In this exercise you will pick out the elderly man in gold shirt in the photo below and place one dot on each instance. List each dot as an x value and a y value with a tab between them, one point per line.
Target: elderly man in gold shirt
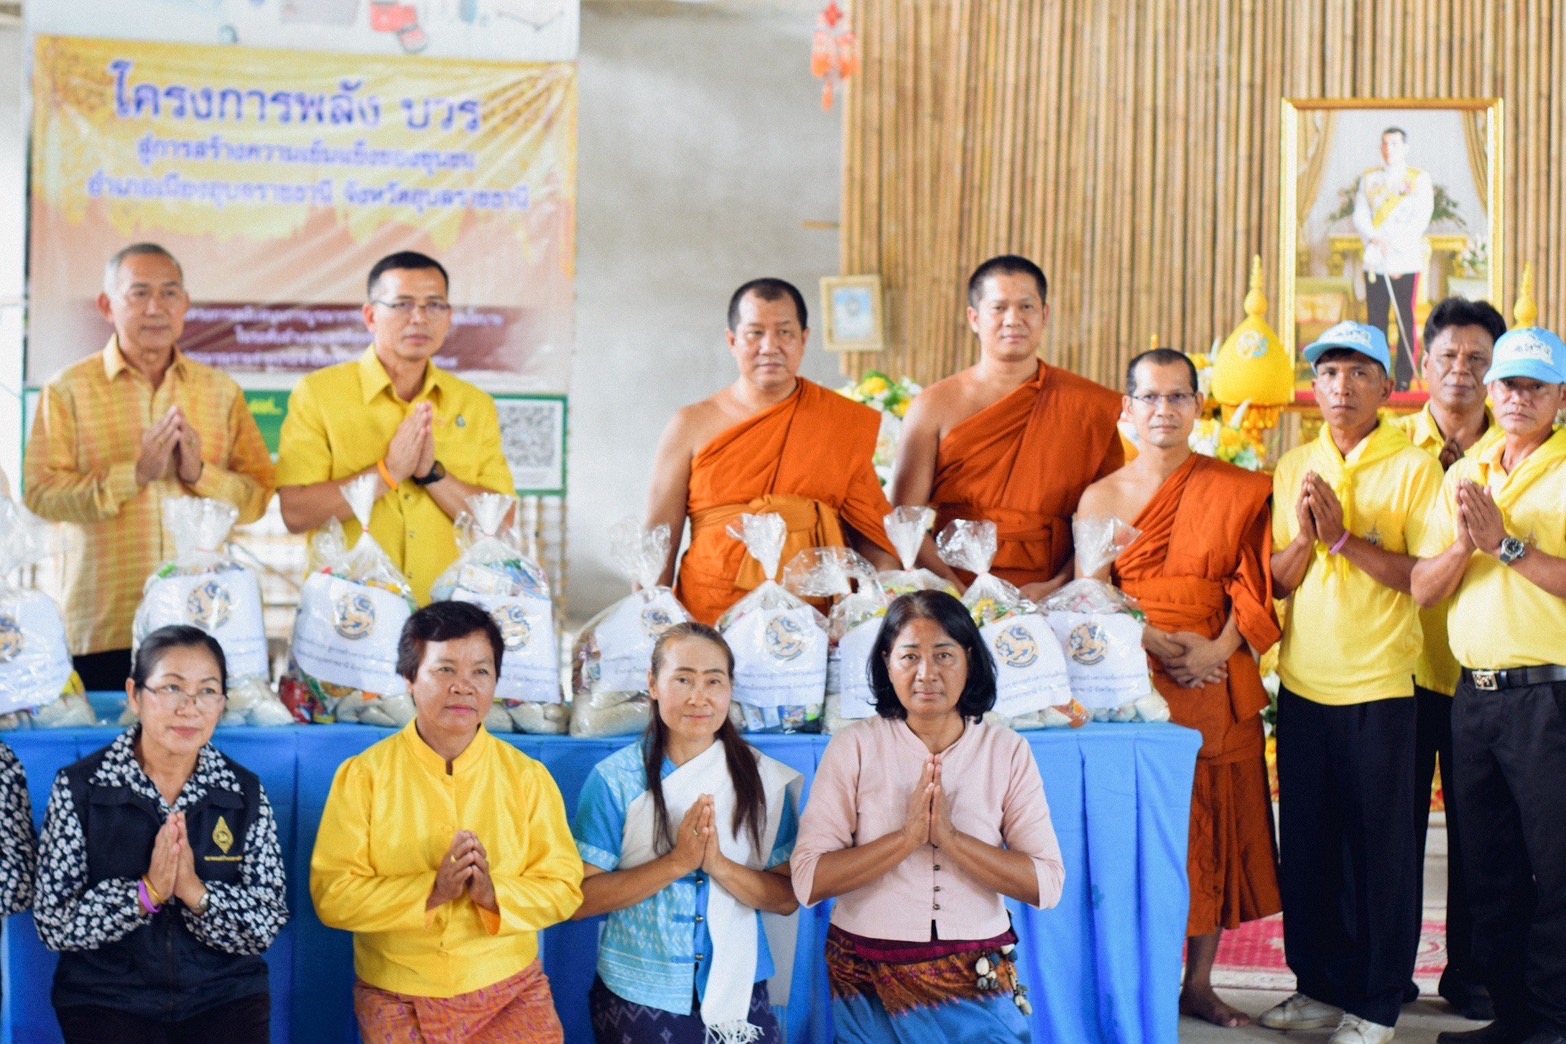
119	432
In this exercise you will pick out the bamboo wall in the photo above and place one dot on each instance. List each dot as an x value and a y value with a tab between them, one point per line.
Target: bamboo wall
1132	148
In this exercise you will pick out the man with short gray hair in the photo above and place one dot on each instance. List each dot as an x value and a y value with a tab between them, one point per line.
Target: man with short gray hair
121	431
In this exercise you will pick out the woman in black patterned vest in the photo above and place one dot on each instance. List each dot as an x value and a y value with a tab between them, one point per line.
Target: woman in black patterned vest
161	875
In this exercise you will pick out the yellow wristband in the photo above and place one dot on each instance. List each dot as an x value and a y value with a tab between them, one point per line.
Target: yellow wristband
386	475
157	900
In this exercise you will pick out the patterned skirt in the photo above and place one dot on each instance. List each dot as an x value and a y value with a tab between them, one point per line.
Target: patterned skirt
924	993
519	1009
619	1021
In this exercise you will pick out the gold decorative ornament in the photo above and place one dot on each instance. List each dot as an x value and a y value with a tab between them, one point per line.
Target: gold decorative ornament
1525	313
1253	370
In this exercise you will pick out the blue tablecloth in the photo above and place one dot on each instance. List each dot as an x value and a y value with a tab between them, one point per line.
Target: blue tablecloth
1103	966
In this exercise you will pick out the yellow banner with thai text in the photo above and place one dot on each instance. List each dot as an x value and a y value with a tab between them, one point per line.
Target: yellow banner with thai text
278	178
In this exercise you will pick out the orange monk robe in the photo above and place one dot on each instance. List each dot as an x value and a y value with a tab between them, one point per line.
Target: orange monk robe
1023	464
1205	550
810	458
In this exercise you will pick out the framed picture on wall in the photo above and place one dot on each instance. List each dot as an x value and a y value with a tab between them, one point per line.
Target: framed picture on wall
855	316
1389	205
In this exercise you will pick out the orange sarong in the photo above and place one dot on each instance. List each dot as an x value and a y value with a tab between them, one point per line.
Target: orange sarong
1023	464
1204	551
811	459
519	1009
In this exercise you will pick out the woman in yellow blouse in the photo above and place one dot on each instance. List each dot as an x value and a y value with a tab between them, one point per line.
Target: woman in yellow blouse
445	850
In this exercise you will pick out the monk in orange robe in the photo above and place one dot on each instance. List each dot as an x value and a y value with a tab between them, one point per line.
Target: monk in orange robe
770	442
1199	570
1010	439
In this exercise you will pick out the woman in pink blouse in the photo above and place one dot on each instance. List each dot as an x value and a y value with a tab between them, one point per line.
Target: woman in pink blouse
921	947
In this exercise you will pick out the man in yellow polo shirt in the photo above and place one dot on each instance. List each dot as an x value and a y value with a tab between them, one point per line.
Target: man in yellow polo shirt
432	439
1347	508
1496	546
1459	342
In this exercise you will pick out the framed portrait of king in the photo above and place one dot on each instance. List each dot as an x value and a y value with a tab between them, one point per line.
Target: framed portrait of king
1389	206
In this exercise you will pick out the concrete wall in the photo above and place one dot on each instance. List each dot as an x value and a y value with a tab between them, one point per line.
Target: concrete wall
703	149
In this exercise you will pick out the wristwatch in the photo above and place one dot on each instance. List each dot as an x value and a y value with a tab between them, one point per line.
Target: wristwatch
436	473
204	904
1511	550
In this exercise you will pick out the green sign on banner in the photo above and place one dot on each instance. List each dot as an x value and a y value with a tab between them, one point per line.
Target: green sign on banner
268	408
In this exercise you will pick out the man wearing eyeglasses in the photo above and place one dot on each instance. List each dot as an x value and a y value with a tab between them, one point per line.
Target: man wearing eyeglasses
1349	508
1200	572
1496	546
118	433
1010	440
431	438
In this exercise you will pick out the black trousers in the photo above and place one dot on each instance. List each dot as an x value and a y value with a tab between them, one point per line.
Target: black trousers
103	671
1349	867
1432	743
1380	296
1510	747
244	1021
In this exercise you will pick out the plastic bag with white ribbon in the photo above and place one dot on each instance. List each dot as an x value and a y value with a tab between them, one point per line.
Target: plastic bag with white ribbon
905	528
852	625
779	641
1032	688
343	664
612	655
203	586
1100	629
38	686
494	571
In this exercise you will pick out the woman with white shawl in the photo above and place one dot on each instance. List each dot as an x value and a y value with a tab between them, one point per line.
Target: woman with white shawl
685	839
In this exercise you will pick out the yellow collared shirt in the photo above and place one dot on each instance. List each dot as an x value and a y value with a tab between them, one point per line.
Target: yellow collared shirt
1348	639
1438	669
1498	619
81	470
340	421
389	821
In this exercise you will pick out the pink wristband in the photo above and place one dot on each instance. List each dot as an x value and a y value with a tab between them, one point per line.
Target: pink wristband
146	899
1335	548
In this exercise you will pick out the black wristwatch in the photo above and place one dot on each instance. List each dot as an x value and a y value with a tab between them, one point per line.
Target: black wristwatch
436	473
1511	550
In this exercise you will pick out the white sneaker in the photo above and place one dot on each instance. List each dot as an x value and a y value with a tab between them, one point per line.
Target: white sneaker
1355	1030
1301	1012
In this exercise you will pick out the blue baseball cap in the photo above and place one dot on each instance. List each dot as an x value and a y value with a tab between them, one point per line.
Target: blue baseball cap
1533	352
1356	337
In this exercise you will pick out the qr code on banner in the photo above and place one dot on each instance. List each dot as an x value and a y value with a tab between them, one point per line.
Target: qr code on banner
532	433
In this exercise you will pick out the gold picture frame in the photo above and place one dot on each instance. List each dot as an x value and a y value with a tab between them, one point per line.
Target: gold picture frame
1338	154
853	312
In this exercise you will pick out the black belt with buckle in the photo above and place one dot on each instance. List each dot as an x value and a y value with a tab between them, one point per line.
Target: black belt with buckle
1516	678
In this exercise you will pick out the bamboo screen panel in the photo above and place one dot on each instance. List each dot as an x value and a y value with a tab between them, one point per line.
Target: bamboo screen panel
1132	149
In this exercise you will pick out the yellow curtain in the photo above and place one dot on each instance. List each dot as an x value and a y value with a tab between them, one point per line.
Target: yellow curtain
1476	129
1315	144
1132	149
